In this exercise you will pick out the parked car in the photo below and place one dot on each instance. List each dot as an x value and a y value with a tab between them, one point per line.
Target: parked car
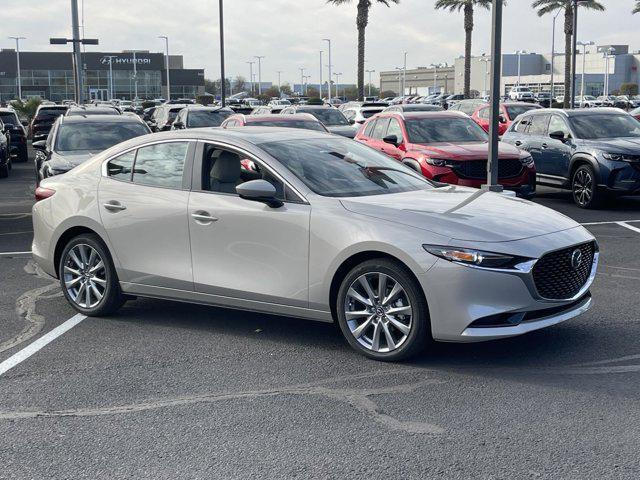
452	100
544	99
43	120
195	116
593	152
299	120
635	113
587	101
332	231
606	100
5	155
73	140
416	107
163	116
97	110
521	94
447	147
623	102
331	118
359	114
508	113
467	106
17	134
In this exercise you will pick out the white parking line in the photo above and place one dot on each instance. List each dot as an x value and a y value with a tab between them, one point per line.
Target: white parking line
15	253
630	227
609	223
44	340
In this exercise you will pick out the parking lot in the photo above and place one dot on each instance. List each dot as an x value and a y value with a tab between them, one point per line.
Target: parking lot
166	388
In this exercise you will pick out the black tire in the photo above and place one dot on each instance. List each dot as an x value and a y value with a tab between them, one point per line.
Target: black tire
112	297
584	188
420	330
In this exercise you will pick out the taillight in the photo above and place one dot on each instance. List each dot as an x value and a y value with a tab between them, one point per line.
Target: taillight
43	192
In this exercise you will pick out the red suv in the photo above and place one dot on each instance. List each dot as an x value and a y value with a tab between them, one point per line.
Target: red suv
508	113
447	147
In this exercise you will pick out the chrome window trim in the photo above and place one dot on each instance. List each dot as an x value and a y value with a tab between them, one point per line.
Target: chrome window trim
253	157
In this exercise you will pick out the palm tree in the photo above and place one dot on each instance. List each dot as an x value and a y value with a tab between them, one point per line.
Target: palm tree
362	19
467	6
636	9
549	6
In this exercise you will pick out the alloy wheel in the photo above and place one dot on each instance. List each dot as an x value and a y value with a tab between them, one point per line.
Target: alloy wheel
378	312
84	275
583	187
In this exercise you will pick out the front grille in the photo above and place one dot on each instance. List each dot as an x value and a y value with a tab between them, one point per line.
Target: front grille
477	169
556	275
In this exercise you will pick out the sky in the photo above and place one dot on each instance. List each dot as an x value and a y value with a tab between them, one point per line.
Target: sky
289	33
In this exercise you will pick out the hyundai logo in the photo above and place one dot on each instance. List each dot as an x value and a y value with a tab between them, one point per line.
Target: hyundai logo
576	259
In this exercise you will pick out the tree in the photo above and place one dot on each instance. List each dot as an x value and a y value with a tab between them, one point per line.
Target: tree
636	9
467	6
27	109
629	89
240	84
387	93
271	92
362	19
549	6
285	88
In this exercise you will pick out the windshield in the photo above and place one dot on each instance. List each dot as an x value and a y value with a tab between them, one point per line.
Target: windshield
591	127
370	113
328	116
335	167
444	130
96	136
304	124
9	117
514	110
207	118
51	112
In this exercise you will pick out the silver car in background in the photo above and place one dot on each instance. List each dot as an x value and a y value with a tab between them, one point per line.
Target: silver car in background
309	225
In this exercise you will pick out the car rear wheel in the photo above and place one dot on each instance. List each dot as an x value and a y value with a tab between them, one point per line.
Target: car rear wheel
382	312
88	277
584	188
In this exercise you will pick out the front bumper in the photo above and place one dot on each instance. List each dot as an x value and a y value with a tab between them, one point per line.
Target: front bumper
468	304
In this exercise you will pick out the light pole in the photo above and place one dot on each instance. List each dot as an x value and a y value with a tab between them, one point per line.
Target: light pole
259	57
279	89
608	54
584	46
222	75
251	76
17	39
553	53
111	57
337	75
370	72
486	61
446	83
519	53
320	84
404	74
328	40
435	76
399	69
166	43
575	5
302	69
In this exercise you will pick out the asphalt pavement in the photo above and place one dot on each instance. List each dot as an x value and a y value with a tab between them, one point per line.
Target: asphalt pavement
165	390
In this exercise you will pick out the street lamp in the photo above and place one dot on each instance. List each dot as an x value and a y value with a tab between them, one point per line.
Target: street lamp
370	72
251	76
259	57
435	76
328	40
166	42
279	89
17	39
110	57
575	4
608	54
302	69
584	46
553	52
399	81
519	53
337	75
404	74
486	61
222	75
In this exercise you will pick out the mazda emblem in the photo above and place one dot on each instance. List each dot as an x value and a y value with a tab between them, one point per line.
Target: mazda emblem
576	259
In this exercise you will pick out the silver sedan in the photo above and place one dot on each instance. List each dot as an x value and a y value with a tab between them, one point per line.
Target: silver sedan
308	225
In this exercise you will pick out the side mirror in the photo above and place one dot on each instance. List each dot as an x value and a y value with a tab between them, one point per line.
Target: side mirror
8	127
501	119
39	145
352	121
558	135
259	191
178	125
392	139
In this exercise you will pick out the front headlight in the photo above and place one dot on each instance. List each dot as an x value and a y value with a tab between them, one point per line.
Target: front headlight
527	161
480	258
436	162
621	157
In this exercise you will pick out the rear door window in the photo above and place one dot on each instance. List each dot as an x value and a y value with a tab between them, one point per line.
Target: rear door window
369	128
380	128
161	165
538	124
121	167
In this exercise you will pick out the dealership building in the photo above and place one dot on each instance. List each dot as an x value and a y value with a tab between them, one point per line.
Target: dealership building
49	75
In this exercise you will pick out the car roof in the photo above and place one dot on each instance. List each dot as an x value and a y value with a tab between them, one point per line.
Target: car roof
101	119
207	108
282	118
424	114
577	112
255	135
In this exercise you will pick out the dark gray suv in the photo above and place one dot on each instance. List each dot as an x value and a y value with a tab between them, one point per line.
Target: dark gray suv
593	152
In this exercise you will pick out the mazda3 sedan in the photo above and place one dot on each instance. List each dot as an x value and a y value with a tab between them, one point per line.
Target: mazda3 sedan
321	228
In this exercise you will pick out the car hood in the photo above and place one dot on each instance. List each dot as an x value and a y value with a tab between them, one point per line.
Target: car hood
463	213
629	145
348	131
66	161
462	151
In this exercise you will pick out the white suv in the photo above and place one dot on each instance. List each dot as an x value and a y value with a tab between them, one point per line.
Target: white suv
521	94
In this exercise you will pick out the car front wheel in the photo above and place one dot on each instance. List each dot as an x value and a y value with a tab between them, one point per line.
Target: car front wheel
584	188
382	311
88	277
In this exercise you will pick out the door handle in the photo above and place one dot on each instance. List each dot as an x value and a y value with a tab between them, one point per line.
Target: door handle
544	145
114	206
518	143
203	217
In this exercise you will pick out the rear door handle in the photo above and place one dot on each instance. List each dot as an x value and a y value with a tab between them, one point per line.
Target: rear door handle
518	143
114	206
203	217
544	145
